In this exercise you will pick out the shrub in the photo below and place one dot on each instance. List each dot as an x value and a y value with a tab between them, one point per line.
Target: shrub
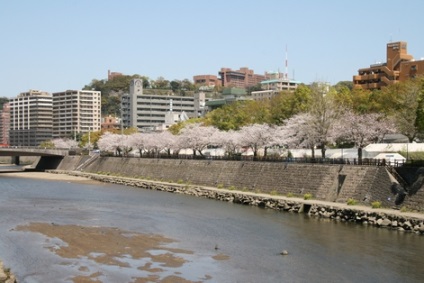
307	196
232	188
351	201
290	195
404	209
220	186
274	193
376	204
180	181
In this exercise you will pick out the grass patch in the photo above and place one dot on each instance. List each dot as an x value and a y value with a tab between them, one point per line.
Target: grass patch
180	181
376	204
307	196
274	193
220	186
290	195
232	188
404	209
351	201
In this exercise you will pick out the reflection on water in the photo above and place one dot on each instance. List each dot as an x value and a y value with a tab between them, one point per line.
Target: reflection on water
252	238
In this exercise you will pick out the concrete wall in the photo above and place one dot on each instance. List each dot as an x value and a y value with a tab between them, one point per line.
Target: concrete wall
336	183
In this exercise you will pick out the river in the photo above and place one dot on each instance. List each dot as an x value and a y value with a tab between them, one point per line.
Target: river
251	238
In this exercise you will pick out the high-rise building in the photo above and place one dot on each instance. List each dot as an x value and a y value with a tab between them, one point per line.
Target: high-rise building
30	118
5	124
242	78
76	112
399	66
143	111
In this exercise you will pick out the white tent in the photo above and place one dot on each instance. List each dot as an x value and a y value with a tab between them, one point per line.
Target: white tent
391	157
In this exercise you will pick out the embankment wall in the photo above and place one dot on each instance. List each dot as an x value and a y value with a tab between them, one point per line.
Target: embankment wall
335	183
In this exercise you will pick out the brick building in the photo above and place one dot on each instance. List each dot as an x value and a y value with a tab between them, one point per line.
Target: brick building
242	78
206	80
399	66
5	124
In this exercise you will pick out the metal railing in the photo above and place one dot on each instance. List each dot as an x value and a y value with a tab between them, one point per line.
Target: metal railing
309	160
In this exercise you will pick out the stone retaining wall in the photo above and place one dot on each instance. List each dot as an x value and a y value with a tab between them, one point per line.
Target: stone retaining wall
336	211
335	183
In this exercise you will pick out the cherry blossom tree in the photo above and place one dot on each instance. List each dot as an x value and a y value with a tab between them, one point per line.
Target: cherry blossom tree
363	129
197	137
231	141
258	136
165	141
299	132
109	142
64	143
138	141
323	114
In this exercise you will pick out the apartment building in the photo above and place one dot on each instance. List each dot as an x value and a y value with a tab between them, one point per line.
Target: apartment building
151	111
5	124
399	66
30	118
76	112
242	78
273	87
111	123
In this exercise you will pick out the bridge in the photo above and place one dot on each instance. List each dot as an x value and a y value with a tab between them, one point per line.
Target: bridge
49	158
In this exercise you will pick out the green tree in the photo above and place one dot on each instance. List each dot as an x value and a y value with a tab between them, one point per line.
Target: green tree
235	115
161	83
175	86
408	108
47	144
256	87
287	104
3	100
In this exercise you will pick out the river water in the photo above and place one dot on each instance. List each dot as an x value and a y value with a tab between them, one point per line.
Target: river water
252	238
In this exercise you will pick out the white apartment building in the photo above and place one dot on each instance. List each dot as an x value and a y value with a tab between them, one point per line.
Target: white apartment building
154	111
76	112
30	118
273	87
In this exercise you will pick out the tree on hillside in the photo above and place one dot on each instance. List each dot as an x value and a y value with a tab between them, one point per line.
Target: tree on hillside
3	100
235	115
161	83
286	104
344	84
257	87
175	86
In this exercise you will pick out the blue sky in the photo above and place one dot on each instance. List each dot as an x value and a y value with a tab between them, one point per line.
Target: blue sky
57	45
